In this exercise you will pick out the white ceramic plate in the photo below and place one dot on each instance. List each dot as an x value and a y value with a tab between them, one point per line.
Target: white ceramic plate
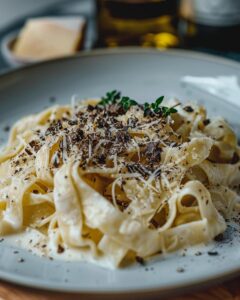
142	74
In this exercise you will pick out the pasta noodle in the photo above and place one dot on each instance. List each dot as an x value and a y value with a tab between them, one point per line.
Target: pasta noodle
115	184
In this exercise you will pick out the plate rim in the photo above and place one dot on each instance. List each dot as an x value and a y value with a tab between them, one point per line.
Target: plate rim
27	281
125	51
170	290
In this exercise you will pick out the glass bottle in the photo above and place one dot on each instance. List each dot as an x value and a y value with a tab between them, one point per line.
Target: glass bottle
213	24
148	23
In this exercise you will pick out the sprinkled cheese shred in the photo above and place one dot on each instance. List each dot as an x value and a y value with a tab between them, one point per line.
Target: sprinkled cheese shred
117	141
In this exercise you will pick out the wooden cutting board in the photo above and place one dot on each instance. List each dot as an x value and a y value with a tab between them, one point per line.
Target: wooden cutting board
226	291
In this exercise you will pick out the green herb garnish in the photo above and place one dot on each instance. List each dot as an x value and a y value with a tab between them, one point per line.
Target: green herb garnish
110	98
167	111
126	102
157	108
114	97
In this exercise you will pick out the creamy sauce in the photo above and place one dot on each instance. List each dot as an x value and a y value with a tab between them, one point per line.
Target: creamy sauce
37	243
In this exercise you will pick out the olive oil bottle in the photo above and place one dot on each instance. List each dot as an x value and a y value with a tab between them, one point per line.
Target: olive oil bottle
147	23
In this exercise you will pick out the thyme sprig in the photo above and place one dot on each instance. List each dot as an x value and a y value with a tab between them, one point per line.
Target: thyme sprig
157	108
114	97
110	98
127	102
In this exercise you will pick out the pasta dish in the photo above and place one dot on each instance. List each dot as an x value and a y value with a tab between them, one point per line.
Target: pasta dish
110	180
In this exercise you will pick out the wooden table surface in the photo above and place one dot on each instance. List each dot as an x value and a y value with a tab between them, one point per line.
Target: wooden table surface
227	291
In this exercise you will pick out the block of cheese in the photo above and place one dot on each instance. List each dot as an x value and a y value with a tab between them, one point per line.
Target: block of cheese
50	37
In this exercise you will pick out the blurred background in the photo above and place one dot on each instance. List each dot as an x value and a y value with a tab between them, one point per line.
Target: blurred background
32	31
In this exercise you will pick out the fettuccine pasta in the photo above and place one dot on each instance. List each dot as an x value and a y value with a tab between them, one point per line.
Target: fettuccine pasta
115	183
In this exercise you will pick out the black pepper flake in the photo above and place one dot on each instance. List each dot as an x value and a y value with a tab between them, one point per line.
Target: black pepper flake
219	238
6	128
54	127
188	109
72	122
138	168
206	122
35	145
28	151
90	108
122	137
21	260
101	159
52	99
180	270
212	253
77	136
1	240
153	152
140	260
15	252
60	249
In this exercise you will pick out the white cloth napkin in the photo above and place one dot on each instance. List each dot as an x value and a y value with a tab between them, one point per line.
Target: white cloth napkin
224	87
